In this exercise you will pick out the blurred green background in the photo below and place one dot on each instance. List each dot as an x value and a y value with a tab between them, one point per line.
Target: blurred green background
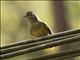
15	28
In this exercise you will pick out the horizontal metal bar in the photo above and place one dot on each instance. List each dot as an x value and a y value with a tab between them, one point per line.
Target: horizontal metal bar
20	47
40	47
61	55
41	38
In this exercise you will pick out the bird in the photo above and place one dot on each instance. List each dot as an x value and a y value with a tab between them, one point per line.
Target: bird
38	28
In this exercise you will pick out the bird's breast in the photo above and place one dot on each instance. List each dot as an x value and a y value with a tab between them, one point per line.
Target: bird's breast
38	30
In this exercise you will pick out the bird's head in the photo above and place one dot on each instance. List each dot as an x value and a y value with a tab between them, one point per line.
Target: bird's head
31	16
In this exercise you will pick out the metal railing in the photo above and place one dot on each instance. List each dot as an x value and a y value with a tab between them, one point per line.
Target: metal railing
61	55
32	45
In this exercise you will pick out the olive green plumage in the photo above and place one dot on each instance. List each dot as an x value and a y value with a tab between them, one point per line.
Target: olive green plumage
37	29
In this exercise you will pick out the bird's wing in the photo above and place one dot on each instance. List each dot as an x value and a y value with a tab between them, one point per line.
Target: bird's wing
46	27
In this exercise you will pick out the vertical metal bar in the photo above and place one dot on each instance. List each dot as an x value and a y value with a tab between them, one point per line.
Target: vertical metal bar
61	23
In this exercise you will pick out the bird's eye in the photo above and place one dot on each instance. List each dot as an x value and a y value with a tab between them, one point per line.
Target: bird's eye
31	15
